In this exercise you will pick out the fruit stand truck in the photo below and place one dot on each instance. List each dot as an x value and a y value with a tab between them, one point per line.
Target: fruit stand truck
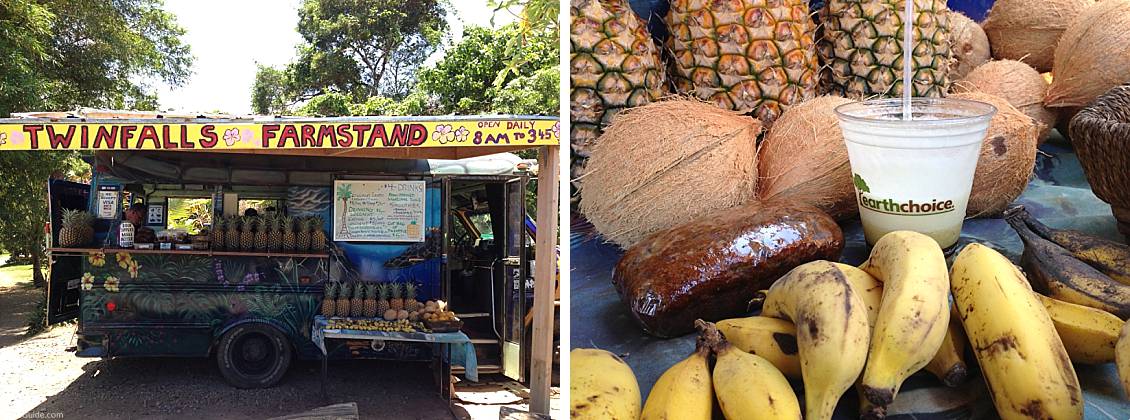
227	237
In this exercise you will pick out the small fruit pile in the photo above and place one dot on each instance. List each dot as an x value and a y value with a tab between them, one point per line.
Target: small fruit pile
867	329
437	311
403	325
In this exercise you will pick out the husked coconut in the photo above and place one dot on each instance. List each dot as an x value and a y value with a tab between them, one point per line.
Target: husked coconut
1008	155
970	45
1092	55
1016	82
1028	30
665	163
803	158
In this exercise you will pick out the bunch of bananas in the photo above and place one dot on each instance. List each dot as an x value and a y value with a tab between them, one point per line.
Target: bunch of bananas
835	327
403	325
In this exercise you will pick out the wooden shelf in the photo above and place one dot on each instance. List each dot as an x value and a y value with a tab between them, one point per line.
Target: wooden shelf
84	251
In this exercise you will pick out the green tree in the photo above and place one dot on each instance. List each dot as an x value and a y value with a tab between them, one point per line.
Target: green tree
65	54
271	91
365	48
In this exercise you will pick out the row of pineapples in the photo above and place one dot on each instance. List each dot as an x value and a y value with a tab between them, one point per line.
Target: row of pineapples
268	233
391	301
752	56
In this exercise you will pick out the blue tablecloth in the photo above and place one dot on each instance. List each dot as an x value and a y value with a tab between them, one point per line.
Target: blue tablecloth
460	350
1058	195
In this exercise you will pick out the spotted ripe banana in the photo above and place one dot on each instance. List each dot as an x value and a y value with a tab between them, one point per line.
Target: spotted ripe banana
949	363
1109	257
1021	356
1056	273
601	386
832	331
747	385
771	338
914	313
1088	334
1122	358
684	391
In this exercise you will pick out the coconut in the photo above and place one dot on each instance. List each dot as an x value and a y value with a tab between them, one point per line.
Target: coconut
1008	155
1018	83
803	158
1028	30
970	45
662	164
1091	57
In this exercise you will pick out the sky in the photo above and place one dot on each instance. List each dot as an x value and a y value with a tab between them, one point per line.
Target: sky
229	37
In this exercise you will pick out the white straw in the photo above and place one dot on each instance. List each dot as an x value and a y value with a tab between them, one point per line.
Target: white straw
907	56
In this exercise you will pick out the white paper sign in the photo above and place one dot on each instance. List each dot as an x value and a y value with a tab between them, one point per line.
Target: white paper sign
156	214
107	204
379	211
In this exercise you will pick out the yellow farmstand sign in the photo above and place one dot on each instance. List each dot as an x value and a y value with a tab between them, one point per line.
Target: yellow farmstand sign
338	133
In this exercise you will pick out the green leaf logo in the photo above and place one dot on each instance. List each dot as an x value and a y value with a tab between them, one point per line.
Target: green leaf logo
860	184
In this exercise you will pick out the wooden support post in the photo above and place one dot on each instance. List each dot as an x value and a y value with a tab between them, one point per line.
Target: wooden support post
545	273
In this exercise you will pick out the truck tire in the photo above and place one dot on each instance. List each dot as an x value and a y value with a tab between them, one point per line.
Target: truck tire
253	356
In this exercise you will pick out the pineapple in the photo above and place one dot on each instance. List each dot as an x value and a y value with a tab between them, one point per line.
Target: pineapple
356	305
317	234
862	47
370	300
614	64
274	233
246	236
219	228
76	230
231	238
328	303
382	299
750	56
395	302
343	295
302	235
410	302
288	242
259	223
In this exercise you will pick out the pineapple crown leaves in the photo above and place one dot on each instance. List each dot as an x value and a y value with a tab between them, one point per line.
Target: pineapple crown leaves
860	184
410	290
76	218
383	291
370	291
359	291
346	288
395	290
331	289
317	223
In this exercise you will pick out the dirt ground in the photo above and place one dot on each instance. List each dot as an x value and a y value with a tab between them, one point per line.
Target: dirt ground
40	379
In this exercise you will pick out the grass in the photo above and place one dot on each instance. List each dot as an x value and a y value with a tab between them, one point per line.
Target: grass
20	276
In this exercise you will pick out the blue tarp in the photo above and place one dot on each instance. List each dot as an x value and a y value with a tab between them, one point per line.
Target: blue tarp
1058	195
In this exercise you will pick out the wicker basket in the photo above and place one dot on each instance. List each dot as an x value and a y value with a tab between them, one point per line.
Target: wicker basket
444	326
1101	136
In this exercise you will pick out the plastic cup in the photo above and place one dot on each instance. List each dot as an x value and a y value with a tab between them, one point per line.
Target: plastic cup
914	174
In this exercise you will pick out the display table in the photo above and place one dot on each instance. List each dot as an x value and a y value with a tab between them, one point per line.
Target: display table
1058	195
454	348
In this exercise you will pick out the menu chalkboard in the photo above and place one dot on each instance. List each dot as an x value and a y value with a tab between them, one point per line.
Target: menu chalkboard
379	211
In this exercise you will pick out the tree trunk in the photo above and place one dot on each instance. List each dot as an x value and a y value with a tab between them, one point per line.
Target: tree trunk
37	258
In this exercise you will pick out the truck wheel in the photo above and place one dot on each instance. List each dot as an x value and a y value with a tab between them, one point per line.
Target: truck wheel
253	356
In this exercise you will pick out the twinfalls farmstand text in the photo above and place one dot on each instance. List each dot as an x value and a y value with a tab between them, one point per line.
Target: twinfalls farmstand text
257	240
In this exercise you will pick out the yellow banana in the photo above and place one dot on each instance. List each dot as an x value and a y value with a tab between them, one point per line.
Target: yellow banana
914	313
1109	257
949	363
1122	358
867	287
684	391
832	331
867	409
747	385
1022	358
601	386
1088	334
771	338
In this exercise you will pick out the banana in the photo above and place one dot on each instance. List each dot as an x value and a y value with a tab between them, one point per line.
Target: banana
1122	358
684	391
1056	273
747	385
832	331
1088	333
867	287
1109	257
1022	358
949	363
867	409
914	313
771	338
601	386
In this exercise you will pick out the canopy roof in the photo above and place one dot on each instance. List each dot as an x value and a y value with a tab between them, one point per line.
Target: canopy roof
443	137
